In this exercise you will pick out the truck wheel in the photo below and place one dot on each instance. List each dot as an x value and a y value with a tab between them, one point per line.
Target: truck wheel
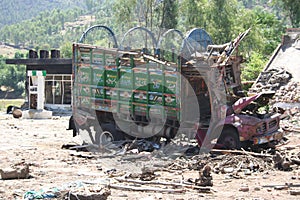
109	134
229	139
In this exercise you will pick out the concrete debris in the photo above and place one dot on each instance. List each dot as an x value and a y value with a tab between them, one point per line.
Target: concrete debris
271	80
244	188
294	192
148	174
289	93
286	90
17	171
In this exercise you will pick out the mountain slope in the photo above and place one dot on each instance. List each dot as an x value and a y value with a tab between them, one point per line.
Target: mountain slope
14	11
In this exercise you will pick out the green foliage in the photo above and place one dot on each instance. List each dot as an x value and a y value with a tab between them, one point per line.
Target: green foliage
124	13
254	66
12	77
265	34
270	29
291	9
14	11
45	31
66	50
221	18
195	12
19	55
169	14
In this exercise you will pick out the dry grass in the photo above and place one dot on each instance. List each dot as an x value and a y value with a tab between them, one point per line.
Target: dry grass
7	102
9	52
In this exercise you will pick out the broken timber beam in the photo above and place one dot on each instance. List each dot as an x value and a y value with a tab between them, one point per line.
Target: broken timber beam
144	189
223	151
164	183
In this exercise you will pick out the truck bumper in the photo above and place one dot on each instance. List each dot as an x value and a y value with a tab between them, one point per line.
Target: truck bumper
262	139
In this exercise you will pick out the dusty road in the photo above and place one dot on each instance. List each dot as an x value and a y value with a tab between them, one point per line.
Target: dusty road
39	142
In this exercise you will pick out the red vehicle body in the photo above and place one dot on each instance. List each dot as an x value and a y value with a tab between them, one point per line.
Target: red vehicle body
243	122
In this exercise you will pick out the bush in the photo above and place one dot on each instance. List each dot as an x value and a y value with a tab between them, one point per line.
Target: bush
12	77
253	67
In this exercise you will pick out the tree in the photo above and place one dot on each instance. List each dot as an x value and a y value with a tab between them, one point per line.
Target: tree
221	18
124	13
12	77
291	8
169	14
66	50
194	13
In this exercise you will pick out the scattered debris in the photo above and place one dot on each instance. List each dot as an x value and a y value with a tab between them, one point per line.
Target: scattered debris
205	178
238	152
141	145
49	194
147	174
227	164
99	193
187	185
145	189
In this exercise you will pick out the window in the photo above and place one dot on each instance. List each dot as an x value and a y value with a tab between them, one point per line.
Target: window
58	89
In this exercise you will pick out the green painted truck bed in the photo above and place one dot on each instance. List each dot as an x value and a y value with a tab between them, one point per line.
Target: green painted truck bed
120	82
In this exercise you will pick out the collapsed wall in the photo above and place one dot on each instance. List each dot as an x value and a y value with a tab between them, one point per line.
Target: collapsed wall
282	72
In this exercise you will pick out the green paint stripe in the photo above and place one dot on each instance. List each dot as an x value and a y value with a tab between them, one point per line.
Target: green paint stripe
37	73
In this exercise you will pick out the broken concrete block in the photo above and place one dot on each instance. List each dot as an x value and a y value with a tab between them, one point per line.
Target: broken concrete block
294	192
227	170
244	188
257	188
19	171
247	172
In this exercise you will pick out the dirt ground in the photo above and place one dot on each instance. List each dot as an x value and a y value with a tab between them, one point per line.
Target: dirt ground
64	171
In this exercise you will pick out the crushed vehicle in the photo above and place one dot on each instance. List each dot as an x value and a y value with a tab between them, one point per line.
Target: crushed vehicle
121	93
248	120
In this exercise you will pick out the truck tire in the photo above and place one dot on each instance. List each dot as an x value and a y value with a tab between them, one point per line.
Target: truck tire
229	139
109	134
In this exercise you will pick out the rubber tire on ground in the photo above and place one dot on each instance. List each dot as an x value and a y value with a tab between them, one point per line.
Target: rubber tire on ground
111	130
229	139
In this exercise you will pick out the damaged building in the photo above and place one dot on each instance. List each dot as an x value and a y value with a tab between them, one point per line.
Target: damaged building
58	77
281	74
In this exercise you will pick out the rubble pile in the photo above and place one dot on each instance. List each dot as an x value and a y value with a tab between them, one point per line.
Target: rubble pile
227	163
289	93
280	81
291	120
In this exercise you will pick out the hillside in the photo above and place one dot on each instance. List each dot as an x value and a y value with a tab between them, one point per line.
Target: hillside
15	11
55	22
53	27
9	51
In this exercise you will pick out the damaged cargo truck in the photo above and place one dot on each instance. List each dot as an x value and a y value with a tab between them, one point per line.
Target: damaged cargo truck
123	93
